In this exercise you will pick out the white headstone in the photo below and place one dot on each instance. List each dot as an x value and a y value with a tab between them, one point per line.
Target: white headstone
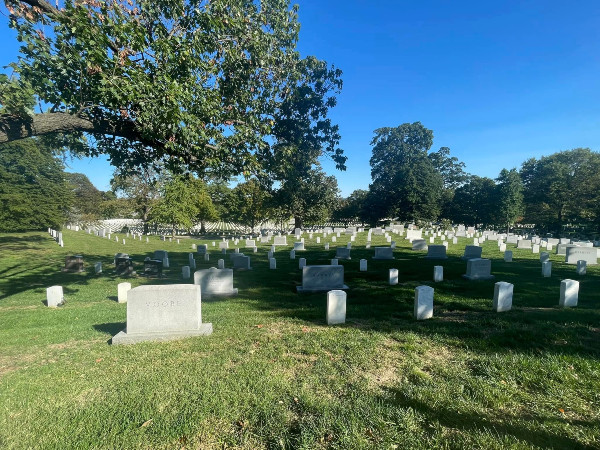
272	263
393	277
547	269
221	264
293	254
581	267
423	302
336	307
569	293
54	296
508	256
363	265
334	262
438	273
122	290
301	263
185	272
503	294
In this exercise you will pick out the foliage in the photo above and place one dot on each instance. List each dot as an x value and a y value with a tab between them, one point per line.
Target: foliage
308	197
34	194
406	183
353	208
195	84
475	203
510	196
561	188
251	203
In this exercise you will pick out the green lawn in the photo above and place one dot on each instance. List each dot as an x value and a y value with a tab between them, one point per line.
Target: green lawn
274	375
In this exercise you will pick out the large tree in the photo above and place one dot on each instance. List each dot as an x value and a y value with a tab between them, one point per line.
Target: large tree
34	193
510	197
197	83
474	203
561	188
406	183
251	203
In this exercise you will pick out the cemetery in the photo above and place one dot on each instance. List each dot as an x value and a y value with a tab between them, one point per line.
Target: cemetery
198	252
291	336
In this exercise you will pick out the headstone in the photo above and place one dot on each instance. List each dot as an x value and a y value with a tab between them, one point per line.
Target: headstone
333	239
301	263
581	267
544	256
215	282
98	267
54	296
272	263
508	256
535	248
279	240
152	267
322	278
194	247
206	256
73	264
503	294
587	254
423	302
569	293
393	277
454	240
524	243
293	254
201	248
547	269
503	247
479	269
472	251
342	253
384	253
436	252
327	246
185	272
161	313
250	243
242	262
318	240
122	290
336	307
299	246
334	262
438	273
223	245
221	264
363	265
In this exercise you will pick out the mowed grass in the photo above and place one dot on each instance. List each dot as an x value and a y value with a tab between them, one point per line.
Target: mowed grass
274	375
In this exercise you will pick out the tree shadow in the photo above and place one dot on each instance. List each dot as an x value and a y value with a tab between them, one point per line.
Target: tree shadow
470	422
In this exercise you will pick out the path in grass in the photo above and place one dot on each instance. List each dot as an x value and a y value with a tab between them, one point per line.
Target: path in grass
273	375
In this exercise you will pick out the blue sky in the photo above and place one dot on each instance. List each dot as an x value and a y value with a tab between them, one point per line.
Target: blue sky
497	82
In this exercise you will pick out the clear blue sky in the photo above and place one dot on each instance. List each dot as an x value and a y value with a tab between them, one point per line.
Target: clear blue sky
497	82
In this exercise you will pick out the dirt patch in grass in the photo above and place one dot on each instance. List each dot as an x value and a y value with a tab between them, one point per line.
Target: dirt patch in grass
386	365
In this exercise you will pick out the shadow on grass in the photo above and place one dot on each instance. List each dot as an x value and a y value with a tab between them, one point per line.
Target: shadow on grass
476	422
110	328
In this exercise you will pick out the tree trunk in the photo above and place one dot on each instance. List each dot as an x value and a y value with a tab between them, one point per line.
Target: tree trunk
298	222
202	227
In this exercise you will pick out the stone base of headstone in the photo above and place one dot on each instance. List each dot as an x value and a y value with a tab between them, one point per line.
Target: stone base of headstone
124	338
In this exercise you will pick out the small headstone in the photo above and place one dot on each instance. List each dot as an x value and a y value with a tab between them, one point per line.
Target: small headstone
207	257
393	277
122	289
98	267
318	240
333	239
503	247
293	254
272	263
327	246
336	307
547	269
503	294
569	293
363	265
334	262
221	263
301	263
299	246
423	302
581	267
185	272
508	256
54	296
342	253
535	248
438	273
544	256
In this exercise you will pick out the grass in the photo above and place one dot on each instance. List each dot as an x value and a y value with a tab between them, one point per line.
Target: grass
274	375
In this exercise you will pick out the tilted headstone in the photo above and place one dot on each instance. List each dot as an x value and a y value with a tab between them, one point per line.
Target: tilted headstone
423	303
161	313
569	293
503	294
581	267
479	269
322	278
54	296
215	282
336	307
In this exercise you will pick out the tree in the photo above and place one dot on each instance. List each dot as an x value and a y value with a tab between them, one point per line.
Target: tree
34	193
510	197
142	189
205	209
196	84
475	202
561	188
251	203
87	205
453	176
177	206
353	208
307	197
405	182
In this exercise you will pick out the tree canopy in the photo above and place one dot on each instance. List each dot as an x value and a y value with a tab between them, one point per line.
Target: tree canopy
198	85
